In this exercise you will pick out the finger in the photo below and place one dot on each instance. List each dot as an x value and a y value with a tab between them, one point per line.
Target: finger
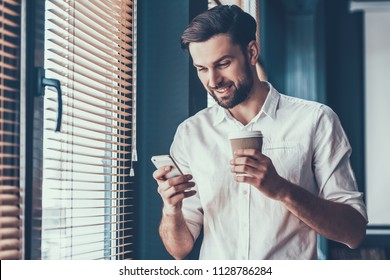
167	184
247	152
180	196
246	179
189	193
246	169
159	173
244	161
179	179
167	193
183	187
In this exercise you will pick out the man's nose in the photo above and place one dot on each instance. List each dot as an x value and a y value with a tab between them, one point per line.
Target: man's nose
215	79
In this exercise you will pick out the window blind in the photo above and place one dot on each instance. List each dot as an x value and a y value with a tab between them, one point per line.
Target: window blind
86	189
10	210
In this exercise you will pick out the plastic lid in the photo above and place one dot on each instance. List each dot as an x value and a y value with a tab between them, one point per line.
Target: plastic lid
245	134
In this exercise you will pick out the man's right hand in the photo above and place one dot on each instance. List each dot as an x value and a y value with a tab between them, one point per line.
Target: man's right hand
173	190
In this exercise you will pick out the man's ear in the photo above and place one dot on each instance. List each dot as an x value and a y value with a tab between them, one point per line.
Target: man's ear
253	52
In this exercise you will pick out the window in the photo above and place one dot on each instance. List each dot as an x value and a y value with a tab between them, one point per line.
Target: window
79	205
86	166
10	192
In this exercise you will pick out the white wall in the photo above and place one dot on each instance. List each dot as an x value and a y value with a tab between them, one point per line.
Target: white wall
377	112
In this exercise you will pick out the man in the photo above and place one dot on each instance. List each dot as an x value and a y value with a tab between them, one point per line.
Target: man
302	184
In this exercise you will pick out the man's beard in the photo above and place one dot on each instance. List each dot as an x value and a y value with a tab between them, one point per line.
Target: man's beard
241	92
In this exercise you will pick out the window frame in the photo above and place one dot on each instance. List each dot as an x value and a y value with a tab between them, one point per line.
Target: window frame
32	55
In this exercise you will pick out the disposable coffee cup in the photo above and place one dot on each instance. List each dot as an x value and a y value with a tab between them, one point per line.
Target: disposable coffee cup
246	140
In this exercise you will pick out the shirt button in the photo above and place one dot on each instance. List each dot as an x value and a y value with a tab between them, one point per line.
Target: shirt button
245	192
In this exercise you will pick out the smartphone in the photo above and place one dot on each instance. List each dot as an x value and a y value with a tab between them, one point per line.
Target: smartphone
167	160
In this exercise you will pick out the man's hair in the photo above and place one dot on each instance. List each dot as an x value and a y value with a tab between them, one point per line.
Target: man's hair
224	19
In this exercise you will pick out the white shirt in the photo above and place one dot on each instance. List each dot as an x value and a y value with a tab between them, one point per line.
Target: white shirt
307	146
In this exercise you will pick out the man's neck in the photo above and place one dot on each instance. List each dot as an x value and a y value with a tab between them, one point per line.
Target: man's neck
247	110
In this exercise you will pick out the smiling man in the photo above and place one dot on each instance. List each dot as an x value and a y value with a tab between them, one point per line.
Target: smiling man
228	78
302	184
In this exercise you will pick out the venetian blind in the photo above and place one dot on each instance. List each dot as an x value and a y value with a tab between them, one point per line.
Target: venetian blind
10	222
90	48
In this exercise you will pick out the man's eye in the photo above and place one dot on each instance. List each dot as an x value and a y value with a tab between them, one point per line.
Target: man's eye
224	64
201	69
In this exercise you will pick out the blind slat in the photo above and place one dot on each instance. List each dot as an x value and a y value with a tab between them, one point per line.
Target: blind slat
98	241
8	77
84	226
9	199
75	162
9	254
6	222
96	139
70	219
93	190
88	113
7	88
7	99
87	181
10	44
8	189
98	131
9	233
80	250
14	3
121	152
9	244
7	54
9	210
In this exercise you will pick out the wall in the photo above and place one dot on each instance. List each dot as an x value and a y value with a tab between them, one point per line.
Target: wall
167	93
377	103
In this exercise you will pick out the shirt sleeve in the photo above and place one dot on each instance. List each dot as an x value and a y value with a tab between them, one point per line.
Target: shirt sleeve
192	208
331	164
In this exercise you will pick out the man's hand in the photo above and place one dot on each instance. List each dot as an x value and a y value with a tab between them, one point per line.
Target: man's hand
261	171
173	190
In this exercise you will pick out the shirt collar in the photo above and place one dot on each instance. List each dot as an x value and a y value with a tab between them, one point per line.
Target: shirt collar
269	107
271	102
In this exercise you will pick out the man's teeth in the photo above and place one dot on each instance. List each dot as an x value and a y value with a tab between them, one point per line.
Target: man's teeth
222	90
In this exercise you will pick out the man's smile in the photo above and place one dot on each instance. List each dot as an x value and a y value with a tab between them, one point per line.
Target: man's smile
224	89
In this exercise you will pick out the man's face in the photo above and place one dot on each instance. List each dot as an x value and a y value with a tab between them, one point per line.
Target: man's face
223	69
